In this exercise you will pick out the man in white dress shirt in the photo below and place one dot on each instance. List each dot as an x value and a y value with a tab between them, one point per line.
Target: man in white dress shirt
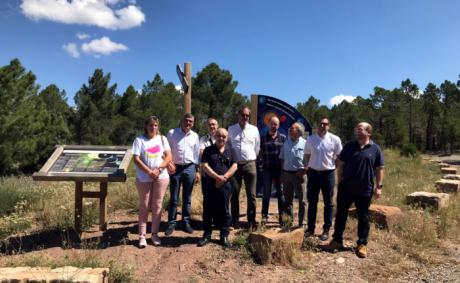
244	140
320	153
185	149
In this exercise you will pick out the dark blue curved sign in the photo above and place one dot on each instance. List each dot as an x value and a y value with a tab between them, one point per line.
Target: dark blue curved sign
268	106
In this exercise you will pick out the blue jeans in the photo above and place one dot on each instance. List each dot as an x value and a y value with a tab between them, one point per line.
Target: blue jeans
185	176
272	176
320	181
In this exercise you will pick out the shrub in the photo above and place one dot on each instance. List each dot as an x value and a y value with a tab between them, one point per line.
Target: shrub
408	150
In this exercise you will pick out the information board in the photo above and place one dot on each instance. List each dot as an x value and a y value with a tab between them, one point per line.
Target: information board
86	163
268	106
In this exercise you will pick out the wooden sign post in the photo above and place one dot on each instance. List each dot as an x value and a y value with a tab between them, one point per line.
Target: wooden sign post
81	163
188	94
185	78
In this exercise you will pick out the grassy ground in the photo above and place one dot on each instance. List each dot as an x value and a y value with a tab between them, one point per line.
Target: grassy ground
418	238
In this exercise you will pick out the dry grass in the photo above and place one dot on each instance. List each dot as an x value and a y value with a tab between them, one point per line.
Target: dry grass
416	239
87	258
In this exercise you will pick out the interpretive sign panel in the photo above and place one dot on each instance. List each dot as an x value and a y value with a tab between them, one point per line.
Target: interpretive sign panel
86	163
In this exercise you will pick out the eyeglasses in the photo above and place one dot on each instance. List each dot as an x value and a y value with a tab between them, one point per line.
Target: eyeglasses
324	124
245	115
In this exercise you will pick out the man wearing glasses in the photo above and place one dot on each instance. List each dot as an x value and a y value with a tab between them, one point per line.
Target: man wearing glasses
321	150
244	140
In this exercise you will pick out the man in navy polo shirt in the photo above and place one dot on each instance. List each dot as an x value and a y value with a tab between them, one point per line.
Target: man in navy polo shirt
219	166
357	165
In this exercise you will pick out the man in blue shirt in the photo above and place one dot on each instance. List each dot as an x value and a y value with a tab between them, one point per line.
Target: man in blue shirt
357	165
293	176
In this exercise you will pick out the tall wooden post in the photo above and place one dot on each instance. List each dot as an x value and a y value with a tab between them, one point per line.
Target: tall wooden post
103	206
78	205
188	95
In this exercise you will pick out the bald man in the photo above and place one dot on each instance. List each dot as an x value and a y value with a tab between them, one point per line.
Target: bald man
219	167
359	163
270	147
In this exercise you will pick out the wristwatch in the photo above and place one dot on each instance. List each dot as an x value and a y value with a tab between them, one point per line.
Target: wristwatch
379	186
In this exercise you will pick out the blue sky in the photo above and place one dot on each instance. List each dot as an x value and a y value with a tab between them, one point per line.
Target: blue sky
286	49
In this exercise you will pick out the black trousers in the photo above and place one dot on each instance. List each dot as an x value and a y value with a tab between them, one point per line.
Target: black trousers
362	203
216	207
320	181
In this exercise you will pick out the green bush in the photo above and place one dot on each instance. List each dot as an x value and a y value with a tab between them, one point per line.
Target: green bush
408	150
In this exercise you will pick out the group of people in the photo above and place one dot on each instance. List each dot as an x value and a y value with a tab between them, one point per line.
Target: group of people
222	160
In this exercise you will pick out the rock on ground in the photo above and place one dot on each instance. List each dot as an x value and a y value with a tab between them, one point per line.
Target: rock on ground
447	186
382	215
275	246
426	199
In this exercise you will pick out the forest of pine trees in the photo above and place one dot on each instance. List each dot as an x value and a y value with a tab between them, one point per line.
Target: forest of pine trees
33	119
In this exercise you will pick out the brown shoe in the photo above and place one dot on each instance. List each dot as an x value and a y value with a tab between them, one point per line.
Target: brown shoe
332	246
361	251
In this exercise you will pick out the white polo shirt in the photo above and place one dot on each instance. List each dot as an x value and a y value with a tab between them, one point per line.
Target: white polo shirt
323	151
185	147
245	142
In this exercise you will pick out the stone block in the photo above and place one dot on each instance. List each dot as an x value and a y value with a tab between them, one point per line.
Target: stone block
442	165
451	177
449	170
428	200
447	186
61	274
383	216
275	246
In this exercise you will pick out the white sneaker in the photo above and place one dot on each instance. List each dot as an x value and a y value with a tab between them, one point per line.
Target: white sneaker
155	240
142	242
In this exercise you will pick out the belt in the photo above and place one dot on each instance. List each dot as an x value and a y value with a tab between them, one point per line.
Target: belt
183	165
244	162
292	172
321	171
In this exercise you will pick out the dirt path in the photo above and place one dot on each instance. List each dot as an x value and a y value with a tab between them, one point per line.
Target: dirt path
180	260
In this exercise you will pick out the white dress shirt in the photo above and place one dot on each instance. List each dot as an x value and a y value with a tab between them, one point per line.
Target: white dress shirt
245	143
206	141
322	151
185	147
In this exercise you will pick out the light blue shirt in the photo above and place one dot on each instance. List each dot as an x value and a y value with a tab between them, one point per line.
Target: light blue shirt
292	154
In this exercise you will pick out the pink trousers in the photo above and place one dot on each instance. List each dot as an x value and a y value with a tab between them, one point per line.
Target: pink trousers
151	196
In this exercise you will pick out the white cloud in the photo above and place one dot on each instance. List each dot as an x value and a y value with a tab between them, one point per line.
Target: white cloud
102	46
101	13
82	35
72	49
339	98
